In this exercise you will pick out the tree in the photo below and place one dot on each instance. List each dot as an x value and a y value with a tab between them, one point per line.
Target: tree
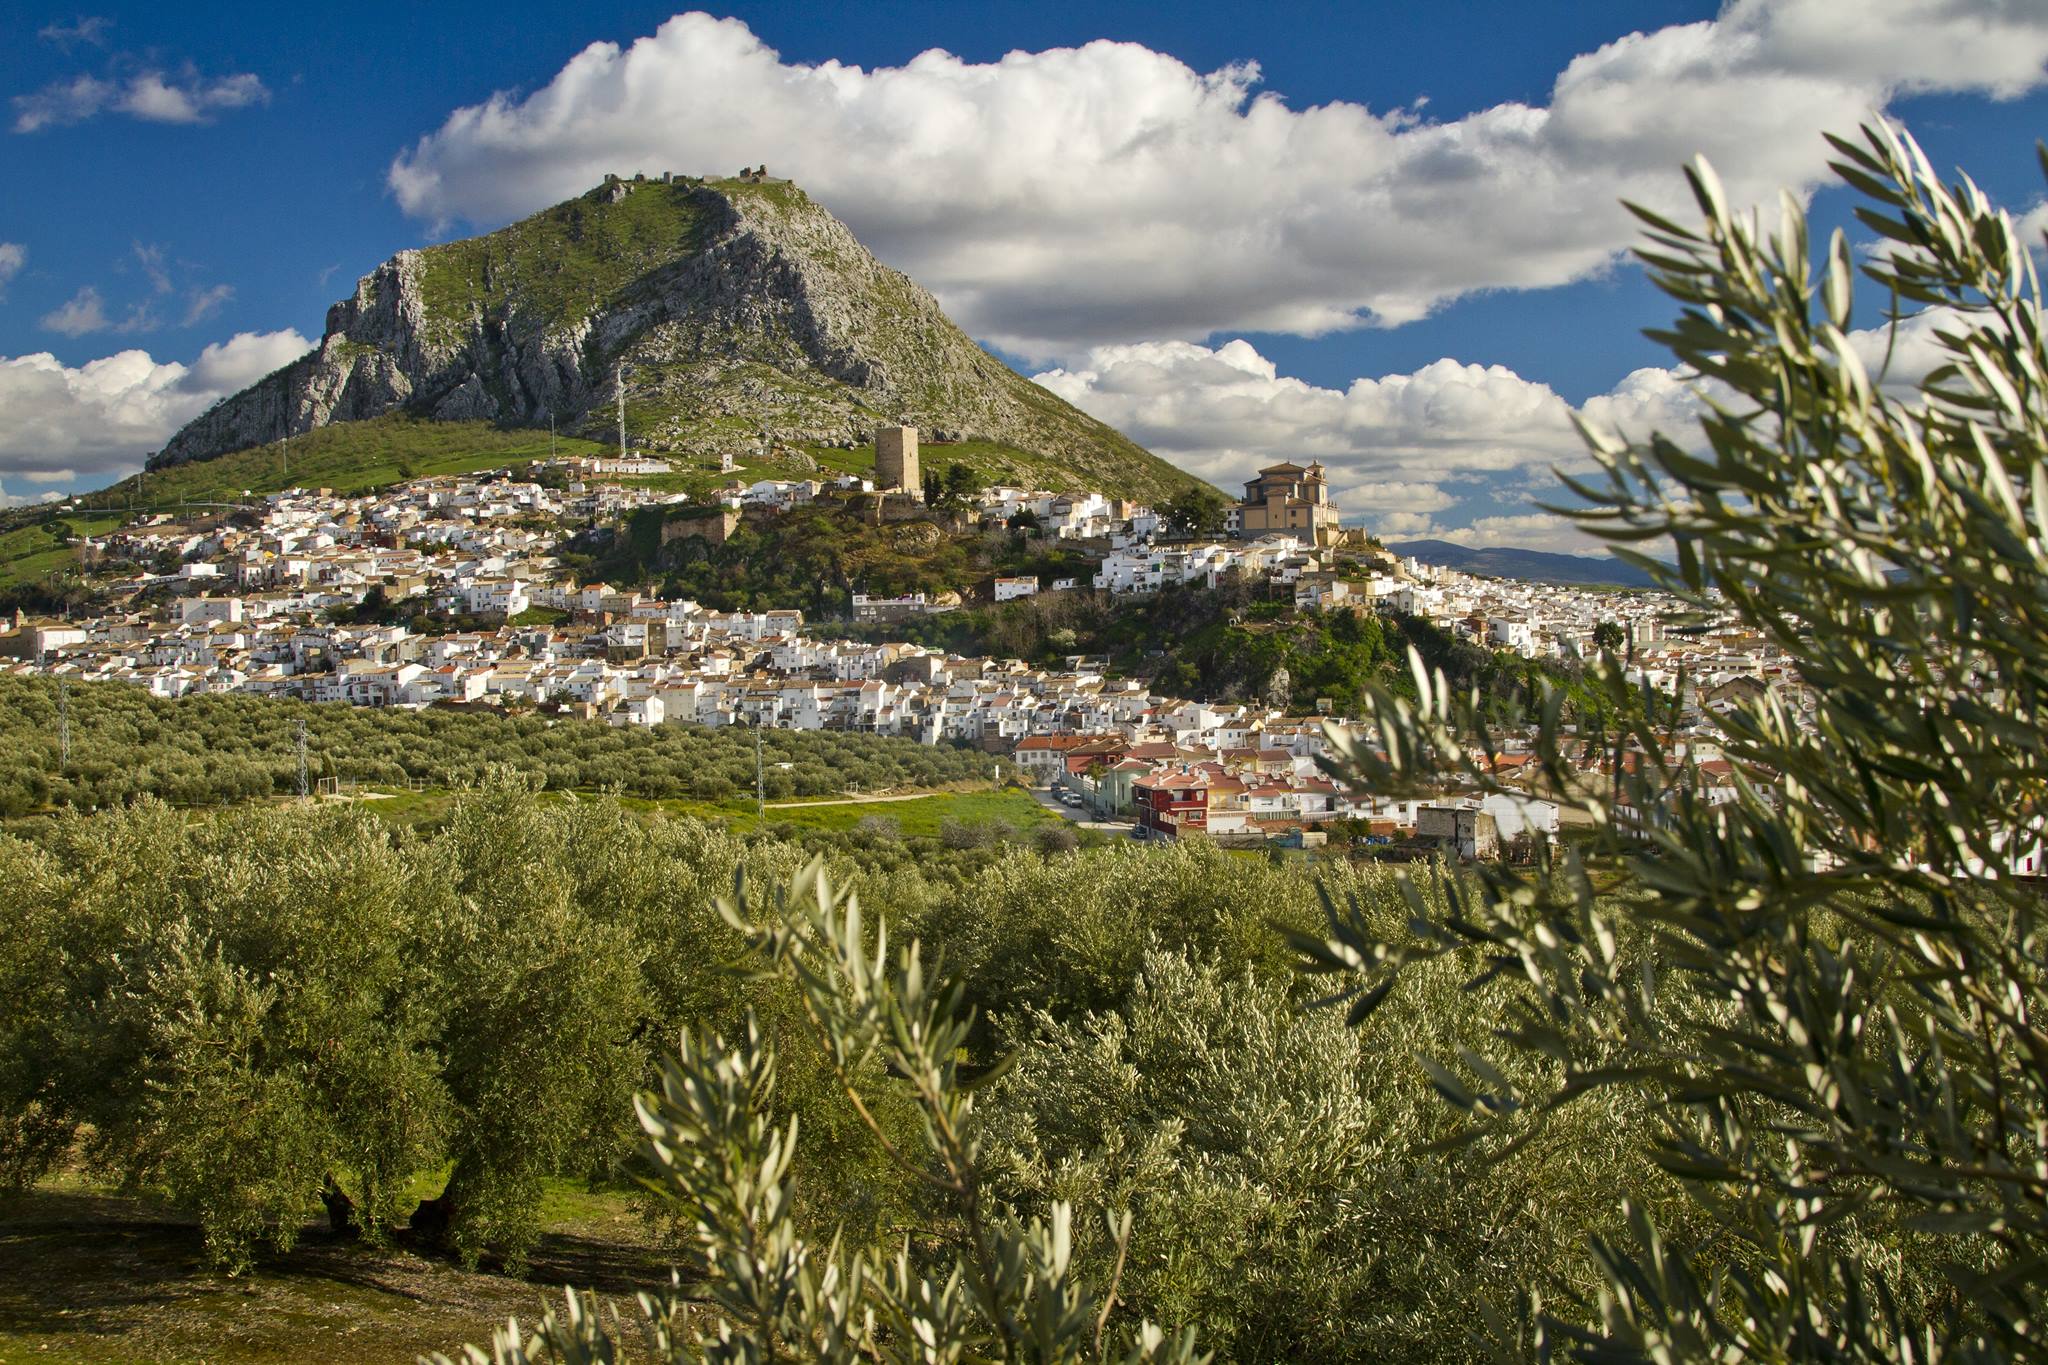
944	491
1057	838
1197	511
243	1021
1007	1289
1609	635
1829	990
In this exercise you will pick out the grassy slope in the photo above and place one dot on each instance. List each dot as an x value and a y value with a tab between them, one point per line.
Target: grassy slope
354	457
563	262
349	458
29	552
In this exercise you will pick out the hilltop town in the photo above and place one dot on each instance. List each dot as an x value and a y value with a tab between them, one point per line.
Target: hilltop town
450	592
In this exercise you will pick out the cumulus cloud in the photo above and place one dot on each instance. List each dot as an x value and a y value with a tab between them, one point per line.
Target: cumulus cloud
102	418
1060	199
1390	443
152	95
8	499
230	366
2032	227
1521	530
1401	450
13	256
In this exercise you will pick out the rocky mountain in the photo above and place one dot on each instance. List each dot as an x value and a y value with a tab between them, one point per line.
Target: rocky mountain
746	319
1538	566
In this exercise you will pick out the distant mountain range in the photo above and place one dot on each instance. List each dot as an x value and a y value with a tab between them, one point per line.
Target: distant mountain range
1540	566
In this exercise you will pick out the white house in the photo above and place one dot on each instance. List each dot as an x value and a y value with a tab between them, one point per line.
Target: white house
1010	589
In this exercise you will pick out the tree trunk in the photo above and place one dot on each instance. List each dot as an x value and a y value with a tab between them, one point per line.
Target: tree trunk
432	1218
341	1211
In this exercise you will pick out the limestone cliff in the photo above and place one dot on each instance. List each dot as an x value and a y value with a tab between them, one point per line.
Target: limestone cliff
747	318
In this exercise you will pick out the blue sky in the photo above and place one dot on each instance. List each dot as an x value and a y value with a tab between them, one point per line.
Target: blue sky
1417	197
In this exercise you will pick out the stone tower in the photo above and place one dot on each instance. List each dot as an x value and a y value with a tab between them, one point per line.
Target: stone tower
896	460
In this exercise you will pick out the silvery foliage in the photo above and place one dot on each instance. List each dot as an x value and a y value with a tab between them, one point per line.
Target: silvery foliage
1830	989
756	1289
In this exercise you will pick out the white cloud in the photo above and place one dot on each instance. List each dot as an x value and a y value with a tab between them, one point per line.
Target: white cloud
1903	358
1400	449
151	258
1390	443
2032	227
103	417
88	28
86	312
190	99
1523	531
151	95
8	499
1060	199
230	366
62	102
83	312
201	304
13	256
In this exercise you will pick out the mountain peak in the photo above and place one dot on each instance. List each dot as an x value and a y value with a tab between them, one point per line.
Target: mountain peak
743	316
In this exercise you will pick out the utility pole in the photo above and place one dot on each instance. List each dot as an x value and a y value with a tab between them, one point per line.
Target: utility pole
760	783
551	435
304	786
63	727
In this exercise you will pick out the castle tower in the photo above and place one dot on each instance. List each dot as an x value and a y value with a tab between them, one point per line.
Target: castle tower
896	460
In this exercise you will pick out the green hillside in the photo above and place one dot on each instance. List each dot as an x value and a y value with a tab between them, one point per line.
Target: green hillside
353	457
357	457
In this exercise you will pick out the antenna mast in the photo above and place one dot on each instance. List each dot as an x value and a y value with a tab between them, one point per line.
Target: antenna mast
619	382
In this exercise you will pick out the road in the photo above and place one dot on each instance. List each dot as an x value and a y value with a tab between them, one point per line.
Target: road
1078	817
855	800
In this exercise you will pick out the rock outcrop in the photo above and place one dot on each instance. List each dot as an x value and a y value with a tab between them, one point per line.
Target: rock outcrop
744	315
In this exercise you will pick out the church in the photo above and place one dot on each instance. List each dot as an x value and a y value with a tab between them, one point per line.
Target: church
1287	497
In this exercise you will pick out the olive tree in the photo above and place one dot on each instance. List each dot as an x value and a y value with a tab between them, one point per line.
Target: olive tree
230	1011
1829	990
987	1286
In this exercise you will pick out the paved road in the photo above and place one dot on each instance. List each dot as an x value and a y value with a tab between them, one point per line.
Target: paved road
1078	816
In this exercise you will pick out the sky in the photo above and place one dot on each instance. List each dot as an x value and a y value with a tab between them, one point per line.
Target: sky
1386	237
